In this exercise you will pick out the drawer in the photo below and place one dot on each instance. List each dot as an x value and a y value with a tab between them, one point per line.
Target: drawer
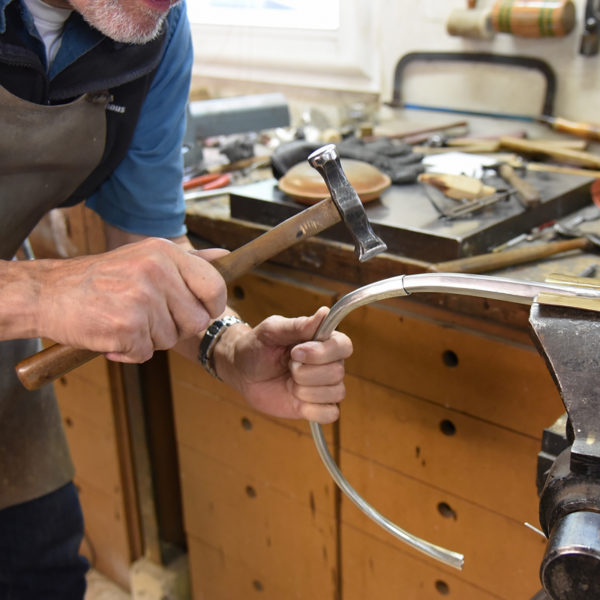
259	295
258	533
278	452
495	379
85	392
502	555
372	569
482	462
217	576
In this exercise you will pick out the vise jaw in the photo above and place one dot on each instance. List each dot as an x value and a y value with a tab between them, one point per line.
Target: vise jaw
567	334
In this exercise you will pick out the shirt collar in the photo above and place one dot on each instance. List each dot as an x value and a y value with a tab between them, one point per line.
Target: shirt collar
3	5
78	39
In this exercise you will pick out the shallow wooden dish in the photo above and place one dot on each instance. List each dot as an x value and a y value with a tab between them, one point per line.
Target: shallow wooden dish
305	185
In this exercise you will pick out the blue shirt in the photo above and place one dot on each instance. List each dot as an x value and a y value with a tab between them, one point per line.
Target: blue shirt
144	194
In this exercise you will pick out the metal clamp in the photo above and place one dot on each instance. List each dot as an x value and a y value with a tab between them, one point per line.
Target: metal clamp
483	286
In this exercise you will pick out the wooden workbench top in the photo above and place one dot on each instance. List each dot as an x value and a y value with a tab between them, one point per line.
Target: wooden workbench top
210	224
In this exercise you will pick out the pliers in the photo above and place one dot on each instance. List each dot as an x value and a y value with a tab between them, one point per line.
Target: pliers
210	181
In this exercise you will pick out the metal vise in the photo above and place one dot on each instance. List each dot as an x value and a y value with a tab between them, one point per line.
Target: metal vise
569	340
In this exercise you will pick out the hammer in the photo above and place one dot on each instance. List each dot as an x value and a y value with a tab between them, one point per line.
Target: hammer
343	204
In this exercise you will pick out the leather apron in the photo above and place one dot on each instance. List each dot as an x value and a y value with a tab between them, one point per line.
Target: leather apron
46	152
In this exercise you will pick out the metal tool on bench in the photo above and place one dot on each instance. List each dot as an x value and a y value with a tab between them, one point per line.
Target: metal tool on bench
491	261
527	195
569	339
343	204
523	292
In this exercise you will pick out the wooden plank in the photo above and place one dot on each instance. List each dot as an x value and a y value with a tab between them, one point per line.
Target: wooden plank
257	296
94	451
85	392
373	569
158	409
287	546
86	408
502	555
125	455
217	576
106	543
503	382
486	464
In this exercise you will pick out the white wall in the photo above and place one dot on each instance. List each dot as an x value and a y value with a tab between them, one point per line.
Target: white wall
388	29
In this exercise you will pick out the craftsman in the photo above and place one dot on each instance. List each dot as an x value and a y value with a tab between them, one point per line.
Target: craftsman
92	107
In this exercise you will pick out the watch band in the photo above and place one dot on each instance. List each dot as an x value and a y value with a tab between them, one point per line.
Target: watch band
209	341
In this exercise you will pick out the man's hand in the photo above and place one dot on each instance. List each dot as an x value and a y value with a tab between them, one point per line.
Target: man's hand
128	302
281	372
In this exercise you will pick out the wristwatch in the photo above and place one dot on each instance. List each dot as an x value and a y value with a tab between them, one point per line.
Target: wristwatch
209	341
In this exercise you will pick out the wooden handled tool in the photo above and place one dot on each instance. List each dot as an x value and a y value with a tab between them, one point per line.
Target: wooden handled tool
582	129
566	155
344	204
544	18
483	263
526	193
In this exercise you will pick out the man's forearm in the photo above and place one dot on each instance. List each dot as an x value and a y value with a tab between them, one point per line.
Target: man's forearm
19	297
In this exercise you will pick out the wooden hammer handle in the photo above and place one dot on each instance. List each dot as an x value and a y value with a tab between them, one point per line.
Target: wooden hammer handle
528	194
483	263
57	360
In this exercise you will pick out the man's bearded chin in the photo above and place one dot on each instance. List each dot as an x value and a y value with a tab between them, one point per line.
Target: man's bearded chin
136	26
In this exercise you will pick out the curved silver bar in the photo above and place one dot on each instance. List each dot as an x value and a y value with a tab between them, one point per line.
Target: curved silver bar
484	286
453	559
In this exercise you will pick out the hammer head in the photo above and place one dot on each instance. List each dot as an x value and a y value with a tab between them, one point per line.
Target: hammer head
326	161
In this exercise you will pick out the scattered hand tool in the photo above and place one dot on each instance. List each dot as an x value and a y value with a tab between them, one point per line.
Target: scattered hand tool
473	206
527	195
471	194
209	181
530	236
343	204
582	129
457	187
482	263
574	157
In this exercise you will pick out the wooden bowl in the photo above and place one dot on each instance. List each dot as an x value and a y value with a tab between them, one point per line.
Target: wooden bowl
304	184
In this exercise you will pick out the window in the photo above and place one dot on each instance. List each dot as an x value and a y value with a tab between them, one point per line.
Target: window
309	43
294	14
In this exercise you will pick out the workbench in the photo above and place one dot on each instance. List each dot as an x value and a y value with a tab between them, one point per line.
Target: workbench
447	400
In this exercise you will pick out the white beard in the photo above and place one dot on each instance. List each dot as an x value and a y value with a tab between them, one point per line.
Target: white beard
136	26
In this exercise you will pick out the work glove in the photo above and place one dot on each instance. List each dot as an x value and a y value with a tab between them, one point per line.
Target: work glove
393	157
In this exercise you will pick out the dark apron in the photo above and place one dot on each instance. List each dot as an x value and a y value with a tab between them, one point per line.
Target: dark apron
46	152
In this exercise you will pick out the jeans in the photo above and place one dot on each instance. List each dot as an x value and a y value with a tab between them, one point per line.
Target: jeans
39	548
